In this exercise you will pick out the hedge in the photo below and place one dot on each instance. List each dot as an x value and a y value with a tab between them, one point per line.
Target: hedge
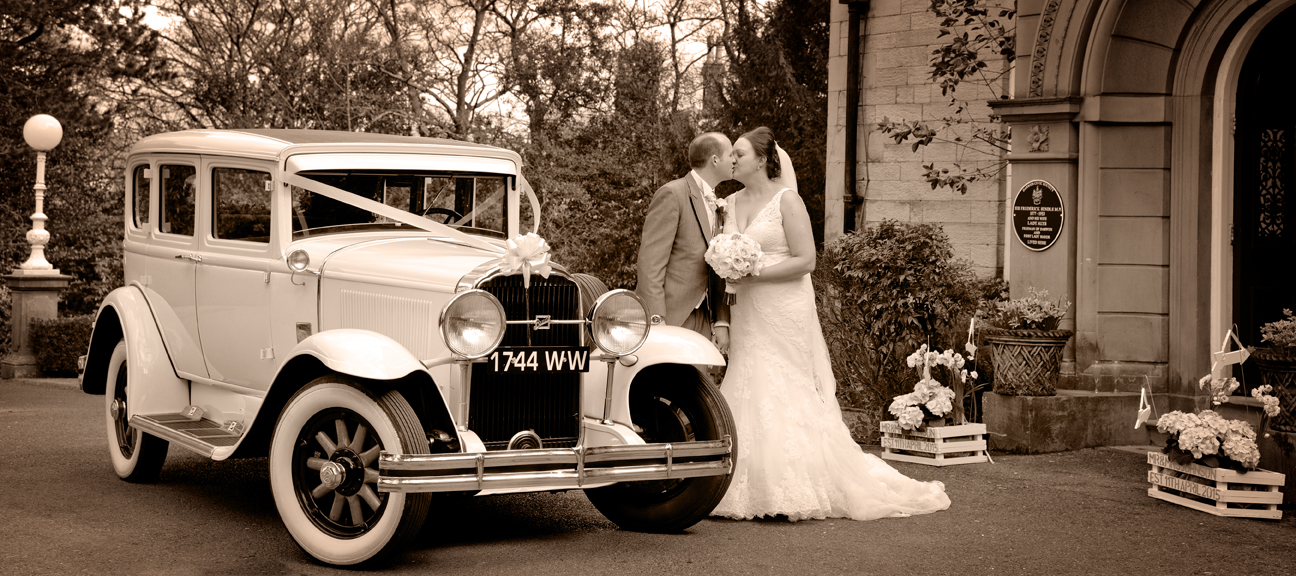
58	342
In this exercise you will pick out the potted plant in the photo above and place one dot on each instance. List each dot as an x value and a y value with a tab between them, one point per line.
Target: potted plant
1212	464
1026	344
1277	365
930	427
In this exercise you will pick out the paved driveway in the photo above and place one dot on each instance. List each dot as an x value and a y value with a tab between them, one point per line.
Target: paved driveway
1084	512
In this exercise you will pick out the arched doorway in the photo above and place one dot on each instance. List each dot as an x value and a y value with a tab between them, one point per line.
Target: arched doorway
1264	184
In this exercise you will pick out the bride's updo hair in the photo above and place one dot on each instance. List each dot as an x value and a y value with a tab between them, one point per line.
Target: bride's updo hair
762	141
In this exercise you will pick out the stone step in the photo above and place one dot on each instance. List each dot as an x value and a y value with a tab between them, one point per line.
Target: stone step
1071	420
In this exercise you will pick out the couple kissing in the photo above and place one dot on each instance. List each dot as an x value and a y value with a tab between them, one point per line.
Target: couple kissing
796	458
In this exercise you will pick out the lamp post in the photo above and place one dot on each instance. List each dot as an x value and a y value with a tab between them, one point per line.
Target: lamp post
42	132
35	285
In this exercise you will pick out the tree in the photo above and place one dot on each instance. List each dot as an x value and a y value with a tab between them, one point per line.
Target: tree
779	79
558	61
59	55
270	63
972	28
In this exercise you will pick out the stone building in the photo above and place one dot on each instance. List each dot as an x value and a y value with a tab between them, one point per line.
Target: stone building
1162	126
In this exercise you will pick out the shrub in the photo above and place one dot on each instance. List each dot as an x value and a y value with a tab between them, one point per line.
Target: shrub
883	292
58	342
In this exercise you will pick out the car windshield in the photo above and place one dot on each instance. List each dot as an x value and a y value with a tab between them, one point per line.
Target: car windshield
472	203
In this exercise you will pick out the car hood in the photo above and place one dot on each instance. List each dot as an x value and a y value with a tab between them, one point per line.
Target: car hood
413	262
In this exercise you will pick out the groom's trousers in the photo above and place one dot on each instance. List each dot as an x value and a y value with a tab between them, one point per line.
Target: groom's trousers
700	321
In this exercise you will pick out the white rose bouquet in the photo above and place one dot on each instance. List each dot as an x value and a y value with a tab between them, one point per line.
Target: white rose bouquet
734	256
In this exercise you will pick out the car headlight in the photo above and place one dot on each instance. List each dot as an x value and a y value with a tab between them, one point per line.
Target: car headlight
473	323
618	322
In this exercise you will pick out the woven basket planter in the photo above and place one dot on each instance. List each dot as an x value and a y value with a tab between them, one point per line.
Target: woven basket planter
1026	362
1281	374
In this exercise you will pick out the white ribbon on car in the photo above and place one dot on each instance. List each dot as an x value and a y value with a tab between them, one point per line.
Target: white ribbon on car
526	254
388	212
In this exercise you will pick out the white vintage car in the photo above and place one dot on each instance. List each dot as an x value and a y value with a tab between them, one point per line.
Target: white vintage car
349	305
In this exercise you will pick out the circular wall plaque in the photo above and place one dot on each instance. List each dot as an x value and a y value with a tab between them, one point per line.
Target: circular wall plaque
1038	215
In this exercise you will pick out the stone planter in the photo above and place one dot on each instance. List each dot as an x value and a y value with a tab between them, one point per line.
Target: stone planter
1255	494
1026	362
1279	372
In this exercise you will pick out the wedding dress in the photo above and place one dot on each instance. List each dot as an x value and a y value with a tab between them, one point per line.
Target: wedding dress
795	454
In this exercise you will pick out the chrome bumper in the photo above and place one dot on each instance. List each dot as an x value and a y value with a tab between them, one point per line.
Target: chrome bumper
556	469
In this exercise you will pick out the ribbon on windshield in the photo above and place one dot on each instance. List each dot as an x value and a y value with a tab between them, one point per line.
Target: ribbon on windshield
387	211
526	254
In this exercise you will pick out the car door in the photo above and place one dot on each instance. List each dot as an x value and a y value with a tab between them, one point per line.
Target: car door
171	259
233	279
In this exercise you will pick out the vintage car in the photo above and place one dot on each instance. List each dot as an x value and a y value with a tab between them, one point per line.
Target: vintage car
364	310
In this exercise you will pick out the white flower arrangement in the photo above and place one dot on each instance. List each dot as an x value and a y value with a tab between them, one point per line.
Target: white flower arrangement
1210	438
930	398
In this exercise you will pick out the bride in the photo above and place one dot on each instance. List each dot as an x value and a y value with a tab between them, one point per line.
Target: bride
796	457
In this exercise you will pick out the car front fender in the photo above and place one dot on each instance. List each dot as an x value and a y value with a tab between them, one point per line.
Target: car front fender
152	385
359	353
665	345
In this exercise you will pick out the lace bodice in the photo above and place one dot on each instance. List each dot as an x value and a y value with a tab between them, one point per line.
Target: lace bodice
766	227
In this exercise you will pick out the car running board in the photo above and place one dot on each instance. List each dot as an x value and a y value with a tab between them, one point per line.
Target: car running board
200	435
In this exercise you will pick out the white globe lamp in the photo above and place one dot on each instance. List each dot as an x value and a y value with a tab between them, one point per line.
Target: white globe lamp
42	132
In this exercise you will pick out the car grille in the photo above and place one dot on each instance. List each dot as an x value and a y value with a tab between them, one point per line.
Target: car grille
504	404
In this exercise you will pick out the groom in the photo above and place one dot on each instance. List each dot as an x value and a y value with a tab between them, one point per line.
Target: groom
674	280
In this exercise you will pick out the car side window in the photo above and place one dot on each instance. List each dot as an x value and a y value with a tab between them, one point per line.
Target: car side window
177	192
241	204
140	179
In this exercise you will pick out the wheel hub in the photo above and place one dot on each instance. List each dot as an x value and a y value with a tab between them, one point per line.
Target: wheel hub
332	475
349	470
117	408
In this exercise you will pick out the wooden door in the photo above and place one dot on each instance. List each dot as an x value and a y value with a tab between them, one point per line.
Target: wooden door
1264	190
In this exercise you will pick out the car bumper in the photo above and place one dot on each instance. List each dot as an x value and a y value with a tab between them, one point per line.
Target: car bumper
553	469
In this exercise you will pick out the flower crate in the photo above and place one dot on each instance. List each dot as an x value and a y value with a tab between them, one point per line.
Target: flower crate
1218	491
936	445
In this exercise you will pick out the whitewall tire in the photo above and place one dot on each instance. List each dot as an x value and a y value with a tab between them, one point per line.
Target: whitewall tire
136	456
323	471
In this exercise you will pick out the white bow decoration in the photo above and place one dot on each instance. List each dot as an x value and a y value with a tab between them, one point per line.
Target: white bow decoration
526	254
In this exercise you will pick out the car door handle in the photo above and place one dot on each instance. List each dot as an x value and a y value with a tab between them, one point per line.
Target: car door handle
194	257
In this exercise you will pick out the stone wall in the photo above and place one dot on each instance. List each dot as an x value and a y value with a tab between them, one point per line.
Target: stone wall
899	36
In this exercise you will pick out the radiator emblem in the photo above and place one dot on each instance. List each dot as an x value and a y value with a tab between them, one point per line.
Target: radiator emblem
542	322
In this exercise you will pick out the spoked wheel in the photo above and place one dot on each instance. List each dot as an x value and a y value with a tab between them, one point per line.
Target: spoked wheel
136	456
324	471
670	404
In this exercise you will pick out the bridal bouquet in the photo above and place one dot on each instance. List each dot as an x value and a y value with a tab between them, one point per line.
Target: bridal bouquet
1209	439
733	256
930	399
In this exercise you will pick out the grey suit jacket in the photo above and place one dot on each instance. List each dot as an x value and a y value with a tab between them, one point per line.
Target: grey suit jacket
673	275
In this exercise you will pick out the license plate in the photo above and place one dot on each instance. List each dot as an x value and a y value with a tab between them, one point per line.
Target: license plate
538	359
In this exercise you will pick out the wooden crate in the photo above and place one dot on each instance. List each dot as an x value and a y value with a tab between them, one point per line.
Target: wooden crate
1218	491
936	445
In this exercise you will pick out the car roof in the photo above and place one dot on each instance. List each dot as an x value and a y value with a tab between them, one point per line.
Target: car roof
272	142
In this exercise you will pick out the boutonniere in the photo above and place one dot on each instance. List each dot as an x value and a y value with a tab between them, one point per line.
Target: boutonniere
721	205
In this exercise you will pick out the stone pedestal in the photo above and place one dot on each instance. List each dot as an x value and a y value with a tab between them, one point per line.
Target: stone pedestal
34	295
1071	420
